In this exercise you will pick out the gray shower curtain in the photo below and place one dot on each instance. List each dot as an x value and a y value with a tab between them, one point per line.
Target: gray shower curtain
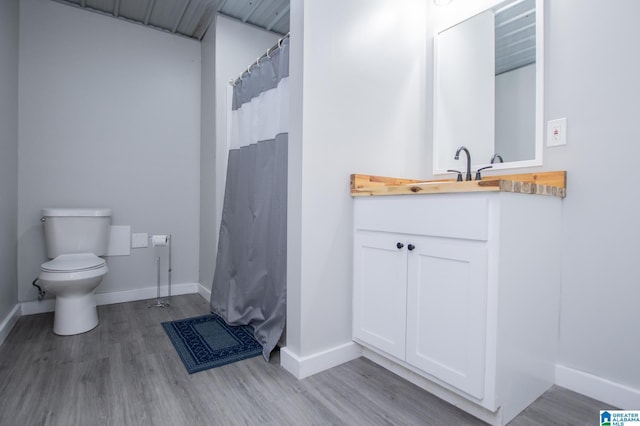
249	284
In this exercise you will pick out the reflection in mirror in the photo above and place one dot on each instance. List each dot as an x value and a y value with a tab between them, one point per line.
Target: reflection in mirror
515	30
488	88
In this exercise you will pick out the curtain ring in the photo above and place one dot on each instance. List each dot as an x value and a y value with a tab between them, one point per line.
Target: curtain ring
258	61
280	42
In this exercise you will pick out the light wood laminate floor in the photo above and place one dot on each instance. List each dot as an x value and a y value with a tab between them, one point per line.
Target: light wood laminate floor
126	372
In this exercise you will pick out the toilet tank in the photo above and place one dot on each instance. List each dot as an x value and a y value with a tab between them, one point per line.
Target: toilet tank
76	231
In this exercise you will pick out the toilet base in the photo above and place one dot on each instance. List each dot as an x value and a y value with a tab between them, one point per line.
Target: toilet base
75	314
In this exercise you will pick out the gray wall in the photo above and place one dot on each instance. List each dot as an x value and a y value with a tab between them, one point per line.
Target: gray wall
109	116
8	154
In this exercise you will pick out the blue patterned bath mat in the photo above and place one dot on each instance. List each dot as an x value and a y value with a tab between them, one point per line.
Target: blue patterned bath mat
207	341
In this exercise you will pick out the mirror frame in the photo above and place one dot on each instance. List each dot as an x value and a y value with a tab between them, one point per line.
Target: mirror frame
539	94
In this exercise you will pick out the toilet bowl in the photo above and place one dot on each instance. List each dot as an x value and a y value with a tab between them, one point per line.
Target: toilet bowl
73	278
74	238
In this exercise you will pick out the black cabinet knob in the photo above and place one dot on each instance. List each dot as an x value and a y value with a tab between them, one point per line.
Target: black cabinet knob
411	247
399	245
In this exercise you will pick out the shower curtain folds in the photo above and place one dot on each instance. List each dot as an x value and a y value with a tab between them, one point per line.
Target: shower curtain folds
249	284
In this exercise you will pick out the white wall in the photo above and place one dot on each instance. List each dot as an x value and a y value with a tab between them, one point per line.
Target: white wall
208	232
109	116
358	105
592	80
228	49
515	114
8	155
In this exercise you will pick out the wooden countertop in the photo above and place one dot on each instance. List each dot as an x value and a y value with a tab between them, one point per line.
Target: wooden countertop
543	183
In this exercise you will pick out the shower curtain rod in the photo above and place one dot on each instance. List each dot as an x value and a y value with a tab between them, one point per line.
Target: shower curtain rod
269	51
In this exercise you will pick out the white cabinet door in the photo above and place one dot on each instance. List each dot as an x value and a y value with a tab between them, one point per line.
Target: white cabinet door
380	292
446	311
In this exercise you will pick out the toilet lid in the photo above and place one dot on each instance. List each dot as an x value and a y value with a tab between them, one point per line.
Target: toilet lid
73	263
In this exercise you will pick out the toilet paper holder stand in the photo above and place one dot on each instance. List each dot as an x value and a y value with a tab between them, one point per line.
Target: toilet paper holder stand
161	241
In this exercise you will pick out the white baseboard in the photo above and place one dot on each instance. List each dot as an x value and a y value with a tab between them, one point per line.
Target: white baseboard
48	305
306	366
620	396
145	293
8	322
38	306
204	292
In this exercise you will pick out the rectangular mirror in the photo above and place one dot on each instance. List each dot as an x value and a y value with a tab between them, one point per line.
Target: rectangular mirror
488	91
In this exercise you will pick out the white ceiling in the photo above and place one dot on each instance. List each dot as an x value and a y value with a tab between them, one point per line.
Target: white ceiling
191	18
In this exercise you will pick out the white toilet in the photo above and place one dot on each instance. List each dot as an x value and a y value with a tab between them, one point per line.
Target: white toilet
74	239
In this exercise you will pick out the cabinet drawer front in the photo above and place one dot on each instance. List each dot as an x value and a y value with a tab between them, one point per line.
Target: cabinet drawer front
442	215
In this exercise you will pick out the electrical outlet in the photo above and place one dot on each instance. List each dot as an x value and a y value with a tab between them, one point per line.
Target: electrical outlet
139	240
557	132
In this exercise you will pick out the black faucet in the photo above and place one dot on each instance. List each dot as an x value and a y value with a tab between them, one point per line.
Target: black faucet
457	157
459	179
478	175
496	157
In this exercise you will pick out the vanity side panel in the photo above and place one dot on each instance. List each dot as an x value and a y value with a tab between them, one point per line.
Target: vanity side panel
528	299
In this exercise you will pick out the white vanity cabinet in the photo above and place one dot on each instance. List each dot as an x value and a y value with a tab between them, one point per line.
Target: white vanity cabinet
459	293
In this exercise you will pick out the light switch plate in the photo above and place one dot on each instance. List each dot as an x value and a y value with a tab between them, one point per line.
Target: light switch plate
139	240
557	132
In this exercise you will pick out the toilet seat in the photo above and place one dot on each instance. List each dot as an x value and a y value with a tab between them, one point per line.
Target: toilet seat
73	278
77	262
